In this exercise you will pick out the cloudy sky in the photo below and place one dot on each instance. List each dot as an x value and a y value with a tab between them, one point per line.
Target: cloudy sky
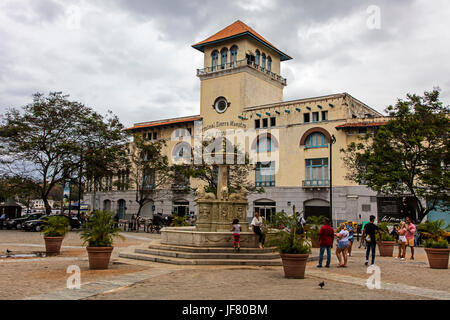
134	57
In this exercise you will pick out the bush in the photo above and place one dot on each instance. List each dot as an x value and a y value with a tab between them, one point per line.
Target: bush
385	237
440	244
100	229
179	222
433	230
287	240
55	226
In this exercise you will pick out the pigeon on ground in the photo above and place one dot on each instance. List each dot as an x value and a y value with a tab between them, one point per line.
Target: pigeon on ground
322	284
8	251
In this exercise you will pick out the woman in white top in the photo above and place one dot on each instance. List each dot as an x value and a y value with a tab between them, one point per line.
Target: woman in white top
256	227
401	230
342	246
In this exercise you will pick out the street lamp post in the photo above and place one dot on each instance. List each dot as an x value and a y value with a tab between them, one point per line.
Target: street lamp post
333	141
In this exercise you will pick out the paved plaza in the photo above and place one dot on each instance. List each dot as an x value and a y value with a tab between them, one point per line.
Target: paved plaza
45	278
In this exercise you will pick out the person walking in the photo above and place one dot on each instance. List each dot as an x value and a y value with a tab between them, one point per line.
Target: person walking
410	231
401	230
369	237
256	227
326	237
2	220
236	228
342	246
351	231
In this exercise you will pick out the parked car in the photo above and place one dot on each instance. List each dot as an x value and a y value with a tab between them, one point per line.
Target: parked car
17	223
36	225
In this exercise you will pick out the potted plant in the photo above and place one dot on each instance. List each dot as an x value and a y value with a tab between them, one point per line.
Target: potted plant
54	228
99	232
313	224
294	247
385	240
436	246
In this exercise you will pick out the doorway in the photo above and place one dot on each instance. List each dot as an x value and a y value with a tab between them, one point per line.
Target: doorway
180	208
121	208
265	208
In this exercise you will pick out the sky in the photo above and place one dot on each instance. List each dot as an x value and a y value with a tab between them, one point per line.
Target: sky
134	57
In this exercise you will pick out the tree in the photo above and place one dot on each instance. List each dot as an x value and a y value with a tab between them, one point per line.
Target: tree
44	142
152	173
22	188
103	149
409	155
237	173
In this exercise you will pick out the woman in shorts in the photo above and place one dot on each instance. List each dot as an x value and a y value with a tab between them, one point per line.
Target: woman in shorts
342	246
401	230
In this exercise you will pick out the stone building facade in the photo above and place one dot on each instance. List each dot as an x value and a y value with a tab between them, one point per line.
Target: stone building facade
242	90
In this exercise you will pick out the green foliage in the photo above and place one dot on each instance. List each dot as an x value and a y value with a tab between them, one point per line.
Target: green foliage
440	244
384	232
238	173
100	229
55	226
151	171
48	137
435	231
287	240
408	155
313	225
179	222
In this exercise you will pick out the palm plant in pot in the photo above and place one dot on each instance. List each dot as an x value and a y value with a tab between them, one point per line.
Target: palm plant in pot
436	246
99	233
385	240
54	229
294	247
313	224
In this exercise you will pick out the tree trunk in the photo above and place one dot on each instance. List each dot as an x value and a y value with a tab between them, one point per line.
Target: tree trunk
48	209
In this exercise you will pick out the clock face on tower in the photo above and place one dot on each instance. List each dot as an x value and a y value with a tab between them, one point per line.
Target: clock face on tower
221	104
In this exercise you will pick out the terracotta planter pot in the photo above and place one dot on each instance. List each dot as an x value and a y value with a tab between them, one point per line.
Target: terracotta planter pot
53	245
315	242
437	258
386	248
294	265
99	257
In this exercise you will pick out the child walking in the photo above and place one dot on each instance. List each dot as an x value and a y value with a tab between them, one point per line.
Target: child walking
236	234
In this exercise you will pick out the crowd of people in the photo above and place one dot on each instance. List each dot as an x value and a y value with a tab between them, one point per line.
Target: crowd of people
405	232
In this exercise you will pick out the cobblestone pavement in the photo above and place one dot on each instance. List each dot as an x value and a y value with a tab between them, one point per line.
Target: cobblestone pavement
45	278
25	277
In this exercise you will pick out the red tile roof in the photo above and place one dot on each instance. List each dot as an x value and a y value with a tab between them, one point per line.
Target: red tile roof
235	29
362	124
164	122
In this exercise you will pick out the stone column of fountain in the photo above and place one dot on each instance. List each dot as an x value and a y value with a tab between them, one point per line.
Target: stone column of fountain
216	213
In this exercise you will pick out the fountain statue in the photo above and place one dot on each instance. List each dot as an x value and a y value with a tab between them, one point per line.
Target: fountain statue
215	215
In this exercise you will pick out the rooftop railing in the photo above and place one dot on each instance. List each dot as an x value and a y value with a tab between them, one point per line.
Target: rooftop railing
241	63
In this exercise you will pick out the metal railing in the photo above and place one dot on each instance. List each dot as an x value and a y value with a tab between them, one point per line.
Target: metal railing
240	63
316	183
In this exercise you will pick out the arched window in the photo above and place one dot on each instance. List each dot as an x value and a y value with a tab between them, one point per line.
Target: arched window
257	57
263	61
233	54
181	153
269	63
316	140
214	60
224	57
264	144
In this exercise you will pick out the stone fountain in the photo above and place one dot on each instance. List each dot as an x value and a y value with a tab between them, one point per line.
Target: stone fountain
215	215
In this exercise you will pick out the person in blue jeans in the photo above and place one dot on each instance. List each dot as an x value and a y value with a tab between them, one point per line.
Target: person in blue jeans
326	236
369	230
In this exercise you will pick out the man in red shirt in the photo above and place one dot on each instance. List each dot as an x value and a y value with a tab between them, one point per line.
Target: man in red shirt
326	236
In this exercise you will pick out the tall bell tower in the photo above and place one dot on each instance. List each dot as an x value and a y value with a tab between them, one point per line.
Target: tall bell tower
240	69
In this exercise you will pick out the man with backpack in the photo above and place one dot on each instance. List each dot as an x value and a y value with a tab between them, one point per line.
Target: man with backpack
369	236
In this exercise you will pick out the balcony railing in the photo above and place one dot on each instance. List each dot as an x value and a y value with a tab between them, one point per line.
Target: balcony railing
315	183
241	63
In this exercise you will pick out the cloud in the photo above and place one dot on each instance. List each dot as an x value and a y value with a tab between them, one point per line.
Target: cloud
135	58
